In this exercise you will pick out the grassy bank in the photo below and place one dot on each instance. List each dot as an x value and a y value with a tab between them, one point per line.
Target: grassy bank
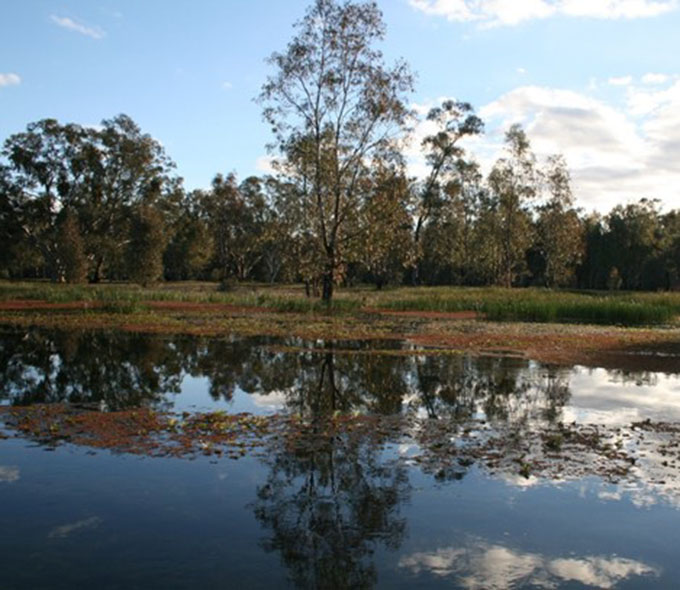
542	305
122	296
525	305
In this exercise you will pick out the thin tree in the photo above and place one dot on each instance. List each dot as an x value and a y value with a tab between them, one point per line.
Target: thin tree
514	182
454	121
560	232
333	98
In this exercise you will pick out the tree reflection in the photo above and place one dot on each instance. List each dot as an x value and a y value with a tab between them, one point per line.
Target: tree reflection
500	389
328	511
329	381
315	379
119	369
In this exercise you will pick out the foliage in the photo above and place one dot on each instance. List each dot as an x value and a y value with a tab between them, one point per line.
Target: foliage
72	260
341	209
384	247
454	121
335	107
98	174
559	230
190	248
145	248
540	305
513	183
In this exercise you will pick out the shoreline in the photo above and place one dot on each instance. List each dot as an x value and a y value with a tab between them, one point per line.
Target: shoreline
628	348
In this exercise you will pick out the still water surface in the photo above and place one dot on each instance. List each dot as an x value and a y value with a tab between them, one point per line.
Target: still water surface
349	516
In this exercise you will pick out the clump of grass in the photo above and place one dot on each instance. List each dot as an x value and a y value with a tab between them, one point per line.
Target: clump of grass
542	305
525	470
603	311
554	442
435	299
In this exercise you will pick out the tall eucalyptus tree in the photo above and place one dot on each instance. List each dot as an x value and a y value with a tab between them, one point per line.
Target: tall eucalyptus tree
333	99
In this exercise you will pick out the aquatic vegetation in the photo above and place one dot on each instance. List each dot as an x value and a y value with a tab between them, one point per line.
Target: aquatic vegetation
443	448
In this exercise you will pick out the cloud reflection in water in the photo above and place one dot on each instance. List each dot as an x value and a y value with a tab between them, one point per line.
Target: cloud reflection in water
485	566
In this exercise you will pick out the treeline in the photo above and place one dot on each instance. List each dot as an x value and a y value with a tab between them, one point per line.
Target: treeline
81	204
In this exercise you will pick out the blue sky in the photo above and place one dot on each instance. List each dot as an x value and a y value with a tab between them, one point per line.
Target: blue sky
597	80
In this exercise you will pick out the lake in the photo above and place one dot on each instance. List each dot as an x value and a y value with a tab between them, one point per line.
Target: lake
379	466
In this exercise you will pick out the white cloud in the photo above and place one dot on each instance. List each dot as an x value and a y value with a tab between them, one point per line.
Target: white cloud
83	29
521	71
645	101
598	571
654	78
75	527
621	81
491	12
512	12
599	397
8	474
9	79
265	164
615	154
586	130
615	9
227	85
494	567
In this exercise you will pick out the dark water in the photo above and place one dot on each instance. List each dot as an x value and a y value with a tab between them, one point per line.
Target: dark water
350	516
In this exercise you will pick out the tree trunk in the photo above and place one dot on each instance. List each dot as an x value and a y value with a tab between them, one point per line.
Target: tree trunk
328	274
327	292
97	276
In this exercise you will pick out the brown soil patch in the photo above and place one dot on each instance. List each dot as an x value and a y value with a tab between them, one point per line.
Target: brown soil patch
187	306
30	304
611	349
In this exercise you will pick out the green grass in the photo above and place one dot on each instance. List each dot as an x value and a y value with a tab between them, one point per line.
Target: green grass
306	305
543	305
119	297
599	311
527	305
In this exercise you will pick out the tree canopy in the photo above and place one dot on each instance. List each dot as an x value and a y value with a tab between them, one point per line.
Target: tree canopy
335	109
104	203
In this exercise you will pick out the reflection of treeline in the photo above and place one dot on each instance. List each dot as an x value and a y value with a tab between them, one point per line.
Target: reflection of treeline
127	370
81	204
327	511
123	370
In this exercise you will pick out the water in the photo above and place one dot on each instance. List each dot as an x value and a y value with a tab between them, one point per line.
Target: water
359	515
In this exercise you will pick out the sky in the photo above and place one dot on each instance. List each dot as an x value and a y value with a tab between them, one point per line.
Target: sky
595	80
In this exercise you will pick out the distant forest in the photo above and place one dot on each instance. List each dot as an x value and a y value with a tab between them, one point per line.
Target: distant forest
84	204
